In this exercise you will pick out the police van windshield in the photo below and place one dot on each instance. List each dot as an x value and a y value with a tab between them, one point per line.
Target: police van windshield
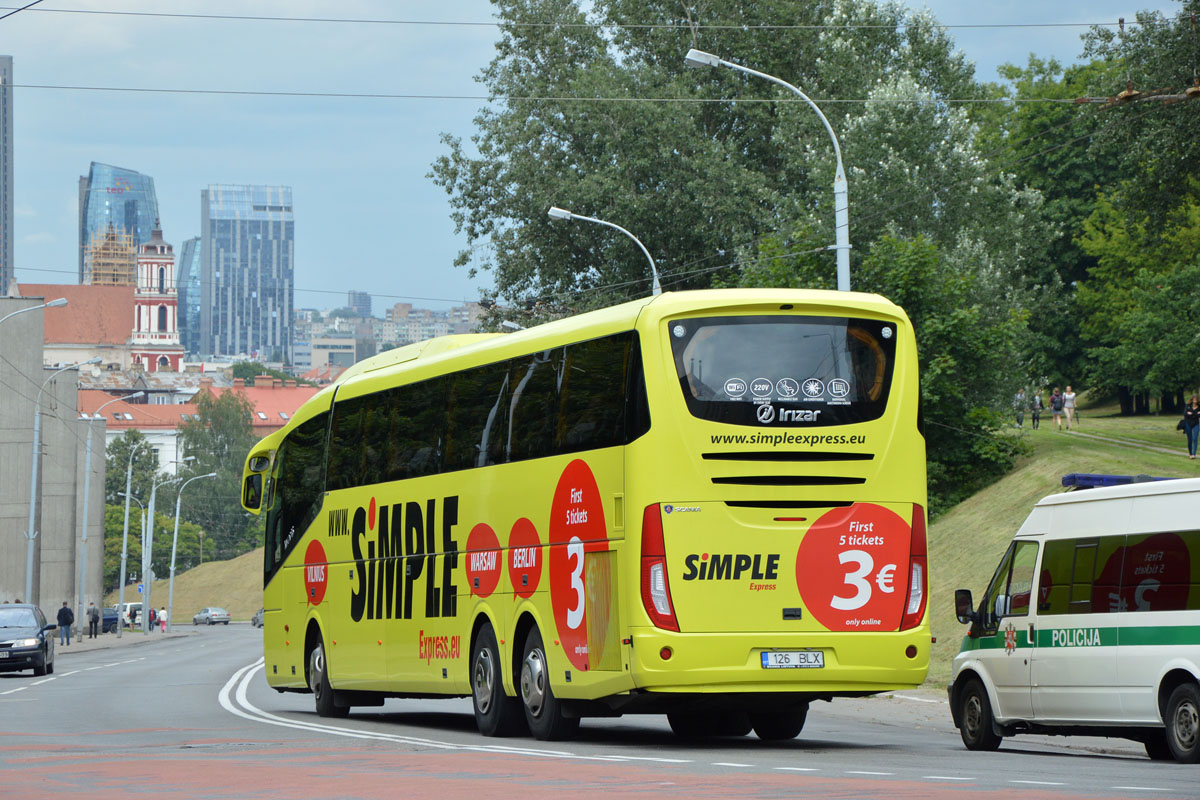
792	370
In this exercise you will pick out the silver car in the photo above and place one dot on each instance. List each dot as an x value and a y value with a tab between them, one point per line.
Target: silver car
211	616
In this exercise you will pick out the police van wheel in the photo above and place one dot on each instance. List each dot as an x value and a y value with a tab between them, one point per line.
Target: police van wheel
318	681
778	727
975	718
1183	723
496	714
543	711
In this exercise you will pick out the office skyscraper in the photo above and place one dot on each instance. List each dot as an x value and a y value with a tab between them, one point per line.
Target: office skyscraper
6	173
247	243
123	200
187	279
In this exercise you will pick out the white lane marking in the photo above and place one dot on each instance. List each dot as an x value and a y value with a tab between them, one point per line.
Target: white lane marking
43	680
1040	783
134	660
1141	789
235	689
944	778
113	664
862	772
797	769
920	699
65	674
730	764
18	689
89	669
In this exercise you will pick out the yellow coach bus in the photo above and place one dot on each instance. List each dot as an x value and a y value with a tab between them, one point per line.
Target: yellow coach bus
706	504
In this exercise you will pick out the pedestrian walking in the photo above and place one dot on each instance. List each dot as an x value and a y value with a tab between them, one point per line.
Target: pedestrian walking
1069	406
162	619
93	618
1019	407
66	618
1191	423
1035	409
1056	408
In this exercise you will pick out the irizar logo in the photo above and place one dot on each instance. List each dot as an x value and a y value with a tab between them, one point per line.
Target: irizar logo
731	566
767	414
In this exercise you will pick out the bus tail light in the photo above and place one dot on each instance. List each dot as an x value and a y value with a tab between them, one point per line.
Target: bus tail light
656	590
914	609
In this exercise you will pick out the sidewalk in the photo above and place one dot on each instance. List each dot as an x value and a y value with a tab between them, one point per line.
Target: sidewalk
105	641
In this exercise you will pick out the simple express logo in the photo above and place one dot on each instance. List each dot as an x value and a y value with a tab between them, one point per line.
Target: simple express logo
396	549
731	566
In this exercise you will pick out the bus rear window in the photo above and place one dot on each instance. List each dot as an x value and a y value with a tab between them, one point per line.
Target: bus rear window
785	371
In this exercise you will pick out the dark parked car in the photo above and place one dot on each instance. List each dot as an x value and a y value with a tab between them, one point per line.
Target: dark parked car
257	619
109	623
211	616
23	640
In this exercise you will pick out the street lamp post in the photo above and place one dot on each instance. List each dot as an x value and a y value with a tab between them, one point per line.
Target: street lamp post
148	552
561	213
62	301
841	205
174	544
31	534
87	482
125	535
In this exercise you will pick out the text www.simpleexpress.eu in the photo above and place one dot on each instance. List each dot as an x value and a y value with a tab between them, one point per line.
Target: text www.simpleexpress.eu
776	439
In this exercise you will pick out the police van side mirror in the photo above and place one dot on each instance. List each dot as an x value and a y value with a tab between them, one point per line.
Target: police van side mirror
964	606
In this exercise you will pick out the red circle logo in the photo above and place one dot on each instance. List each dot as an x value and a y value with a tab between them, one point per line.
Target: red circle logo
483	560
576	527
316	573
524	558
852	568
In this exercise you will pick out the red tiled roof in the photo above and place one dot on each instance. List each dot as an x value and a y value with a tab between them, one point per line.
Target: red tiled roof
273	407
327	373
122	415
93	314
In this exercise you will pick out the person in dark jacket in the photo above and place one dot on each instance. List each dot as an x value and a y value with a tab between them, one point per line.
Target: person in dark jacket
93	616
66	618
1191	423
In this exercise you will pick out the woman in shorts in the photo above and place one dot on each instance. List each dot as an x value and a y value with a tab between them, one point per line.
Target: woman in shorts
1056	408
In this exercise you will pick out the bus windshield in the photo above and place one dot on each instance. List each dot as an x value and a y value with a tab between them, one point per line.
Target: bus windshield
760	370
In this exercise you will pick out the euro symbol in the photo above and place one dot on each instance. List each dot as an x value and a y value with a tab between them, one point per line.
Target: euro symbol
885	577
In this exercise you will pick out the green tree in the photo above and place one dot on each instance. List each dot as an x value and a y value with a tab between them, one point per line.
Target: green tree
249	370
218	439
145	467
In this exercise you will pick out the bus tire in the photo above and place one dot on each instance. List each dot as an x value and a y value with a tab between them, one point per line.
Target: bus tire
1183	723
318	682
543	711
779	726
496	714
975	718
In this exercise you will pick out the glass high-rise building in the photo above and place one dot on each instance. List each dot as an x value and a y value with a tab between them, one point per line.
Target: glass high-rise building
6	173
247	244
187	283
119	197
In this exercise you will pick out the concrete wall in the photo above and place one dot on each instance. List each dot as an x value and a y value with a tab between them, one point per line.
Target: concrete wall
62	450
93	582
20	378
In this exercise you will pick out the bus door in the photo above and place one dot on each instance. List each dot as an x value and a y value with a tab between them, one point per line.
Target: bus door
1075	663
1006	630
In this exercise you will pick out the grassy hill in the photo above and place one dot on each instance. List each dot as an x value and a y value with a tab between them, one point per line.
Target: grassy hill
965	544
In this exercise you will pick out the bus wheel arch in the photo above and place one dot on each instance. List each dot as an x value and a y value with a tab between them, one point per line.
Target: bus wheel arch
543	711
496	712
316	674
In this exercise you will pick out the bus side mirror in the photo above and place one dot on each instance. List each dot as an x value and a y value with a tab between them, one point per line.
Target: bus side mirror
252	491
259	463
964	606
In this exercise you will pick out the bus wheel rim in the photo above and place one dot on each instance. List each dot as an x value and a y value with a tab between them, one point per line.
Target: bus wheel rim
533	682
1187	720
484	681
318	669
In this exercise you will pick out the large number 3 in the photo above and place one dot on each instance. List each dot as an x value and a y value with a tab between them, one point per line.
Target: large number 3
862	588
575	613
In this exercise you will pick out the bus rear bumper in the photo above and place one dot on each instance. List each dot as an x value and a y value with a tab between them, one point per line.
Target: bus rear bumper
853	664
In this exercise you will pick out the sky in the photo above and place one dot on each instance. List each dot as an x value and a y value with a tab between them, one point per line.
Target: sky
367	216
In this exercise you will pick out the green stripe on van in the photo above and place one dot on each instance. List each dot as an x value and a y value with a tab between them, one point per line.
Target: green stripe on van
1091	636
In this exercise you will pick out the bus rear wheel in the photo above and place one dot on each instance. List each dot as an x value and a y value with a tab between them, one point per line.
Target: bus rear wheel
779	726
318	681
1183	723
975	718
496	714
543	711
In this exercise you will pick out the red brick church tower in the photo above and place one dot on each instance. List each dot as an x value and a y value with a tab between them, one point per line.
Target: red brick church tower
155	345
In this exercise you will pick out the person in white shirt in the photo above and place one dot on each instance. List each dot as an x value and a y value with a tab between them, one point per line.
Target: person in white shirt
1069	406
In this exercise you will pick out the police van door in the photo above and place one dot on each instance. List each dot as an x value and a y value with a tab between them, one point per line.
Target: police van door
1005	646
1075	662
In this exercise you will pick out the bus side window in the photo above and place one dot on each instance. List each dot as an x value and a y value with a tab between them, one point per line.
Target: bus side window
346	443
418	426
533	410
475	417
300	488
592	412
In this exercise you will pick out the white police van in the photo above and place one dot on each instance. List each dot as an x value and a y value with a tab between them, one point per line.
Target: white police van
1091	623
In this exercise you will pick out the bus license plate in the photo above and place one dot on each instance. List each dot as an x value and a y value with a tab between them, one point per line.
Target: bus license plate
793	659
